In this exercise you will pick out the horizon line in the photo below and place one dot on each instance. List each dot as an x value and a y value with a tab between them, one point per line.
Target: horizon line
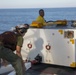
34	7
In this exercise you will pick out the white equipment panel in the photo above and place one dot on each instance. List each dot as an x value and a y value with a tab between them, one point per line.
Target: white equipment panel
56	46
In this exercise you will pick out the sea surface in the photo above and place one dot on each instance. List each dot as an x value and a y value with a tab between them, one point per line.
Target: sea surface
12	17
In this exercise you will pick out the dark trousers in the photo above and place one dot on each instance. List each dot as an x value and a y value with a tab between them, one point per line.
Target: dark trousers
14	59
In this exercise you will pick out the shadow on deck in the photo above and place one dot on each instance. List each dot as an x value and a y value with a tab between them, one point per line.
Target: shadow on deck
44	69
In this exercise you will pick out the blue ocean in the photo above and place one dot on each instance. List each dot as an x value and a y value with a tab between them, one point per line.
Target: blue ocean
12	17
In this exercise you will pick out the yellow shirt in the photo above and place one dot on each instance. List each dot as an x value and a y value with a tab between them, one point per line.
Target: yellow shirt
40	20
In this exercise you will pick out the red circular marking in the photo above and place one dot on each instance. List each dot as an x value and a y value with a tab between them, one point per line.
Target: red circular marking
48	47
29	45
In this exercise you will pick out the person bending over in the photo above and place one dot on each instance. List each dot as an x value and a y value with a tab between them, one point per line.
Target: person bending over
11	41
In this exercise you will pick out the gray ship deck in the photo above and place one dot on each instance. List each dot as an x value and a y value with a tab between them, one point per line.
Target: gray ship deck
43	69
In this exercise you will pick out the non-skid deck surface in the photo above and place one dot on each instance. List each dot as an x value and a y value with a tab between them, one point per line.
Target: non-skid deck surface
43	69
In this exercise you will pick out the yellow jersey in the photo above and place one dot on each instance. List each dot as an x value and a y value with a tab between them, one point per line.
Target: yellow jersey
40	20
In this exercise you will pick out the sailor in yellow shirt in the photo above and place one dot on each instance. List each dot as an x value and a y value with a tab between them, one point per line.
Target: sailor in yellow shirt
40	21
40	18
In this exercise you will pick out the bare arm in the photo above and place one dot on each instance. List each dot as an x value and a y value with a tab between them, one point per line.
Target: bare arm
18	51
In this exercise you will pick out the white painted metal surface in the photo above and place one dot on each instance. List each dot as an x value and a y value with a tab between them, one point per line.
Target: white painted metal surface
62	52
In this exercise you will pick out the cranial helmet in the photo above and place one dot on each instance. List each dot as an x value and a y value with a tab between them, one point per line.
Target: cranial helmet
21	29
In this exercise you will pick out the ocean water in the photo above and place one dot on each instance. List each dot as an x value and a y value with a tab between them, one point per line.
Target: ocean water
12	17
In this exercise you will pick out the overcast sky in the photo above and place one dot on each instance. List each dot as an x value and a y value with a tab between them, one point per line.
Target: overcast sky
37	3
